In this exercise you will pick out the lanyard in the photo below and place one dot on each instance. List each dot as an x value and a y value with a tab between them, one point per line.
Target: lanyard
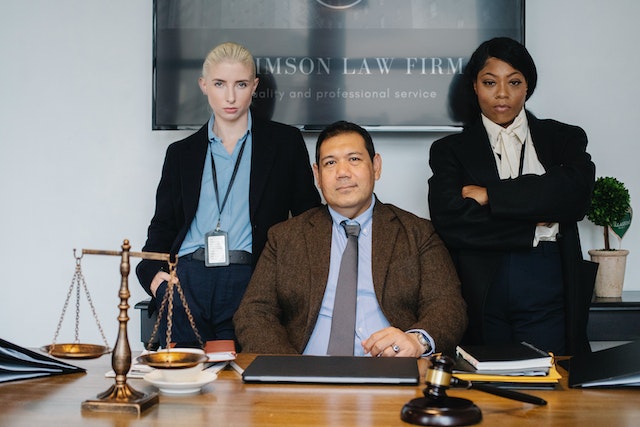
233	177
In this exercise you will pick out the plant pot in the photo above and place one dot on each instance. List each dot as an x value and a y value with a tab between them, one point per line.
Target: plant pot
610	277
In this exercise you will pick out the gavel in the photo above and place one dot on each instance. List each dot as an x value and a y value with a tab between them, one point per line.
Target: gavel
438	409
439	378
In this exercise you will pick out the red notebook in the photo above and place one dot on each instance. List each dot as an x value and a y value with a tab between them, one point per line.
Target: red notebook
218	350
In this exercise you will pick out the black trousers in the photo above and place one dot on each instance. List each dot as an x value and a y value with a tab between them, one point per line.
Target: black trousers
213	295
526	301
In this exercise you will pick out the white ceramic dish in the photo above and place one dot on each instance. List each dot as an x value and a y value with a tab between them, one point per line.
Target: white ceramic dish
155	378
180	375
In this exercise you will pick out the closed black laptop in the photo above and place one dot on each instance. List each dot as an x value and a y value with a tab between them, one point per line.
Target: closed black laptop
332	370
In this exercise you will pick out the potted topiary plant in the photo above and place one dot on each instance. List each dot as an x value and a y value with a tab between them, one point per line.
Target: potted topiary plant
611	209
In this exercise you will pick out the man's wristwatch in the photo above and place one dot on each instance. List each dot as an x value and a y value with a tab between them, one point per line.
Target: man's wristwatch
423	341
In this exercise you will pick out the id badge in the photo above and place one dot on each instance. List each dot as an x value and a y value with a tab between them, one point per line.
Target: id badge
216	249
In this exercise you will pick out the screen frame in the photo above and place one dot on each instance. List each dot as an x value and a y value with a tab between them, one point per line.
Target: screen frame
307	127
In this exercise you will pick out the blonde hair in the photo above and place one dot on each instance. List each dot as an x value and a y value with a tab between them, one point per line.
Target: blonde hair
232	52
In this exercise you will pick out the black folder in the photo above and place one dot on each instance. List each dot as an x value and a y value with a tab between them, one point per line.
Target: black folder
613	367
18	363
332	370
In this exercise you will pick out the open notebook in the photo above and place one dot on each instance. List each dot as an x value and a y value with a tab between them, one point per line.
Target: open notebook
332	370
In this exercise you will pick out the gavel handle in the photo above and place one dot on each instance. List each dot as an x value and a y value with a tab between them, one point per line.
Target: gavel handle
509	394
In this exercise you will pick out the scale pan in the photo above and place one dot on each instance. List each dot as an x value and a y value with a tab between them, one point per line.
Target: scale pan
76	350
173	359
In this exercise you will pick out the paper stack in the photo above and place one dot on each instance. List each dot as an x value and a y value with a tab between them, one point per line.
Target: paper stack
518	365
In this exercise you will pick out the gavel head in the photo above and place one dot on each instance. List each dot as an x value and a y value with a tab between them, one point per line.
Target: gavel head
436	408
438	376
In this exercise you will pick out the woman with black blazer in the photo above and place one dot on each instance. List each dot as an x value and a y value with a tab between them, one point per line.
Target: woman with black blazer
216	201
506	195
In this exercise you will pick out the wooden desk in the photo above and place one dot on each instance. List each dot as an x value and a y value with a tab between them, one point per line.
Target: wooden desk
56	401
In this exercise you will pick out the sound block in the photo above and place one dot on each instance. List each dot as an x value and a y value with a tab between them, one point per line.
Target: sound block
449	411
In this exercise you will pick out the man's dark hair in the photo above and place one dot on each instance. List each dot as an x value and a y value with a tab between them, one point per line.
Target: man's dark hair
340	127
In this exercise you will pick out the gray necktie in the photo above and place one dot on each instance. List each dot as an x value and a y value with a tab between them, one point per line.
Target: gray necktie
343	323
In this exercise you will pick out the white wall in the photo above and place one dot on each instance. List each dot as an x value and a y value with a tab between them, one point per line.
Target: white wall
79	163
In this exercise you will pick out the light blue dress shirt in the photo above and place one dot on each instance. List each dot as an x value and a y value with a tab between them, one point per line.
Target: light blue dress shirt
369	316
235	219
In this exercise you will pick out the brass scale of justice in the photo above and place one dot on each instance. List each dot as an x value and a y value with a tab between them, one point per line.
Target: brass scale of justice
121	397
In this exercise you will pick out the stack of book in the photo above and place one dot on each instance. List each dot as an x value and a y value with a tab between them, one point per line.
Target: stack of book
518	365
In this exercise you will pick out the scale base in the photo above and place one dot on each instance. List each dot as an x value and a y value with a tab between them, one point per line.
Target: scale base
449	411
121	398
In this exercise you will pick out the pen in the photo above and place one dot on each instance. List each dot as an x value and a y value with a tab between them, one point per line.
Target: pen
509	394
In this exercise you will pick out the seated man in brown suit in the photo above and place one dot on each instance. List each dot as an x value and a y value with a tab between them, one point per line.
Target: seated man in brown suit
407	302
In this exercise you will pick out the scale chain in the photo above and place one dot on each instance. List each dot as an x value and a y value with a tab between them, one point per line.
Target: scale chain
93	310
78	281
64	308
167	305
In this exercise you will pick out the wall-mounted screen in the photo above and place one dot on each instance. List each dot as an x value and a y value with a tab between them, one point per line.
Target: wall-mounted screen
384	64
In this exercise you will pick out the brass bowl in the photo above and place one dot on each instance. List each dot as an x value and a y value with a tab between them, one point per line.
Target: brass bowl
173	358
76	350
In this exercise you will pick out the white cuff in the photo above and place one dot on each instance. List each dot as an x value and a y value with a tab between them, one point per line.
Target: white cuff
432	343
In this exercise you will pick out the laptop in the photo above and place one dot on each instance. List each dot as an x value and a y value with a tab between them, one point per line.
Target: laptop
332	370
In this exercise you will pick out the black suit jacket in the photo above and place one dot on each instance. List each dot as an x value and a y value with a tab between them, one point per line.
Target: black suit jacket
281	183
477	236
